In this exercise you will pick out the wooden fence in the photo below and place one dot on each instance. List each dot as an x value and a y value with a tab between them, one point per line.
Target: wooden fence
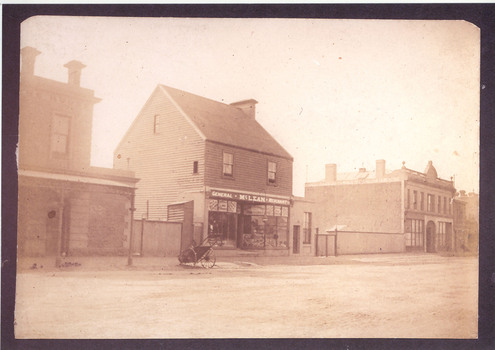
156	238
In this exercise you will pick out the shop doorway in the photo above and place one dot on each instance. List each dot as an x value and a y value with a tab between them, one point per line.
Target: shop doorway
296	234
225	225
430	237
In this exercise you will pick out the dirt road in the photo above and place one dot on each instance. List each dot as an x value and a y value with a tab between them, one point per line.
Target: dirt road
424	296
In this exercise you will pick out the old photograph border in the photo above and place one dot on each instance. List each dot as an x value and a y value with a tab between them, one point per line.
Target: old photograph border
479	14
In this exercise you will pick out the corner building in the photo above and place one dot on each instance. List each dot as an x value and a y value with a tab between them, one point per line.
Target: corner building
211	166
66	206
383	211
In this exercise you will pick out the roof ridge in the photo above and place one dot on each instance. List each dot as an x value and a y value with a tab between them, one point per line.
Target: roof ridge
166	87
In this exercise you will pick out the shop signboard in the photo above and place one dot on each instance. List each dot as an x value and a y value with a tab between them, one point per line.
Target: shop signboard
249	197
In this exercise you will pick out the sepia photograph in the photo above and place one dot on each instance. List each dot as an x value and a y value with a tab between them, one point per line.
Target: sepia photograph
232	178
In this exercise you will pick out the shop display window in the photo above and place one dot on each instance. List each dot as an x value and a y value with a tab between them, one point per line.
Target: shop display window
261	230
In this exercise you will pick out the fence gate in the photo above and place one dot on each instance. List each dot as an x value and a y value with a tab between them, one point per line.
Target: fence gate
325	245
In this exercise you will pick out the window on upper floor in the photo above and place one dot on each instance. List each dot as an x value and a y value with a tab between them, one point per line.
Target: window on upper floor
156	124
408	199
60	132
439	204
422	201
430	204
272	172
195	167
228	164
445	205
415	199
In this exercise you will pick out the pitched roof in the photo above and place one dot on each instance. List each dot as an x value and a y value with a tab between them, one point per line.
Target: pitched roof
226	124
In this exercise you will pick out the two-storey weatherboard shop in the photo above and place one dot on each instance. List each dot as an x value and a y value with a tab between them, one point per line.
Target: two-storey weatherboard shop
211	166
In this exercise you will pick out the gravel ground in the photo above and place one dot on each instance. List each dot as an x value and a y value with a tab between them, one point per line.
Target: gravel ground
368	296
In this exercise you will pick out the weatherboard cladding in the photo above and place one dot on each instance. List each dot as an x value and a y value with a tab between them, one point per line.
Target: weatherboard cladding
226	124
194	128
249	171
163	161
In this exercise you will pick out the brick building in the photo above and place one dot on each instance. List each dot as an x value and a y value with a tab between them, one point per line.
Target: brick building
211	166
466	222
382	211
65	205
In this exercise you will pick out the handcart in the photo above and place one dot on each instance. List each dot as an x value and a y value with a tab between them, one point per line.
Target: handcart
202	253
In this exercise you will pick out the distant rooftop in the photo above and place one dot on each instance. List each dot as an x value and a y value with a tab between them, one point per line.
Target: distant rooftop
380	174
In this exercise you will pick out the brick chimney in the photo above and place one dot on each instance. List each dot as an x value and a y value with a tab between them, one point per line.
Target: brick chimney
331	173
380	168
75	68
247	106
28	59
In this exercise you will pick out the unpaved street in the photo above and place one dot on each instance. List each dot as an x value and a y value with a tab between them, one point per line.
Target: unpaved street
400	296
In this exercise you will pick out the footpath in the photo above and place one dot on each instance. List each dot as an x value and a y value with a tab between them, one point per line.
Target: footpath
106	263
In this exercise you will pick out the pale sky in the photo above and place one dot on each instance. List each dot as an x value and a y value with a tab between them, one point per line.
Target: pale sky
330	91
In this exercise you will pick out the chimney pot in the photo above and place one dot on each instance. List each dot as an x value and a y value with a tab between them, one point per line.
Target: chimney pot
75	68
247	106
330	172
28	59
380	168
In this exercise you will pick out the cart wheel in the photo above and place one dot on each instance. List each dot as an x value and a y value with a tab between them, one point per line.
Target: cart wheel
209	260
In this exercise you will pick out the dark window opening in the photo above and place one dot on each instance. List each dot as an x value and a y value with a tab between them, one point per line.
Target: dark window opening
60	135
307	228
195	167
228	164
156	124
272	172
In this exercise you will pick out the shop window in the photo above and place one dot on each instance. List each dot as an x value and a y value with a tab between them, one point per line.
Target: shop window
441	235
264	226
195	167
272	172
228	164
307	227
414	233
60	135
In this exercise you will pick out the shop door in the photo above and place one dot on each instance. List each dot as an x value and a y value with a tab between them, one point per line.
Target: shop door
296	239
225	225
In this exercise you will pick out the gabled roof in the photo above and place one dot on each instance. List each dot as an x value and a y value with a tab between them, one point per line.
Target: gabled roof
225	124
